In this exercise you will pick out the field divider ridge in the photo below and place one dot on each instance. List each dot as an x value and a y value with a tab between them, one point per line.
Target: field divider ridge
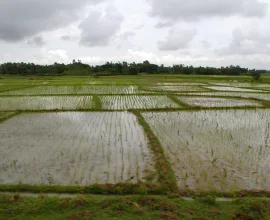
11	115
198	108
22	87
166	176
97	102
179	102
193	108
86	94
95	189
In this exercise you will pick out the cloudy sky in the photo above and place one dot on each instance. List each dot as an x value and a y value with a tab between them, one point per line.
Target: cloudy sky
192	32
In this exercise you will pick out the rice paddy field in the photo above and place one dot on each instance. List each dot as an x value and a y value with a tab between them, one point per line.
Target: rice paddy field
137	102
257	96
74	148
216	150
24	103
76	90
147	134
217	102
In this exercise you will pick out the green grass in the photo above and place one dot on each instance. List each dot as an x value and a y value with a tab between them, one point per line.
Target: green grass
97	102
113	189
7	87
132	79
129	208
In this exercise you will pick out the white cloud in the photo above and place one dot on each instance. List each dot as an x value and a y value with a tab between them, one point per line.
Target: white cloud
52	56
98	29
247	41
127	34
178	38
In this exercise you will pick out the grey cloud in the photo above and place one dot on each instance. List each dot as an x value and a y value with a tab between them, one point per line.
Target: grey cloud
125	35
206	44
66	37
177	38
26	18
192	10
99	29
163	24
37	41
122	39
247	42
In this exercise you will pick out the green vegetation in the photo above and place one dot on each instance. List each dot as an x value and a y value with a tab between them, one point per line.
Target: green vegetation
98	103
25	103
99	189
137	102
129	208
124	68
7	115
256	75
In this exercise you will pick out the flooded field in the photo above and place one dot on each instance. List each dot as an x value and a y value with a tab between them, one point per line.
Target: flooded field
75	90
216	150
231	89
80	131
262	96
179	84
46	103
176	88
217	102
136	102
73	149
254	85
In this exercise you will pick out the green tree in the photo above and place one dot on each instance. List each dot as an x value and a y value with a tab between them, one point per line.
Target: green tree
256	75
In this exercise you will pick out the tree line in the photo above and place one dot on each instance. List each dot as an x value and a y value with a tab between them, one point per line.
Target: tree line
120	68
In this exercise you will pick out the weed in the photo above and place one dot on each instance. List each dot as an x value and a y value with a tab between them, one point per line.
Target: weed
209	199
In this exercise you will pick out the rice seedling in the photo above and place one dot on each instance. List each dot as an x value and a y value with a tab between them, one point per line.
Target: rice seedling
76	90
243	85
176	88
136	102
35	103
218	102
221	151
232	89
261	96
179	84
53	148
